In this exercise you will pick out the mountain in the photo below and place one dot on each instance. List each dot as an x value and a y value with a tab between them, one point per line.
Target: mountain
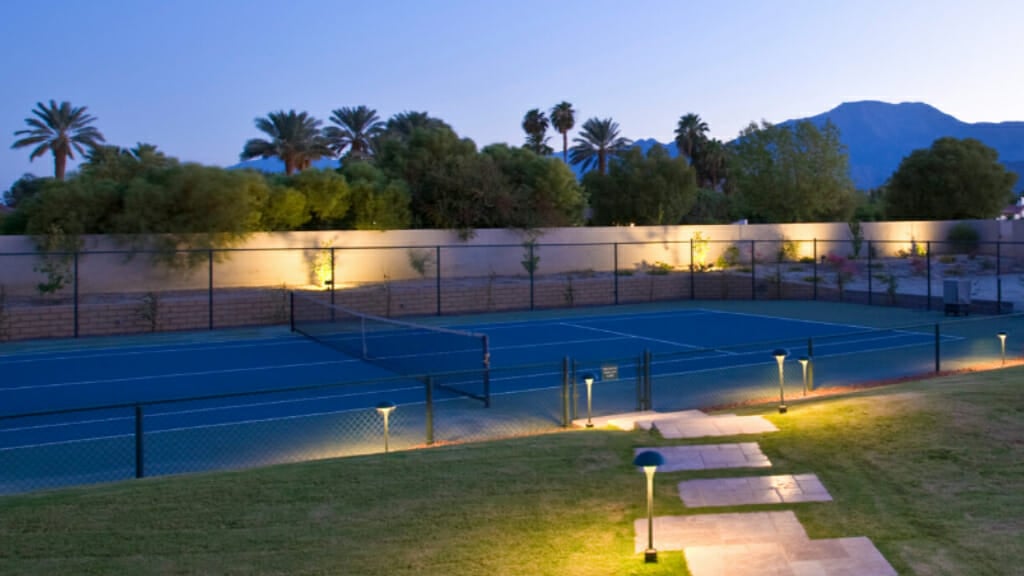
276	165
879	135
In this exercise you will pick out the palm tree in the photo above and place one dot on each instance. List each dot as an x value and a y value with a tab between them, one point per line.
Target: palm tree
563	118
294	138
354	129
598	140
691	132
62	130
711	163
404	124
535	124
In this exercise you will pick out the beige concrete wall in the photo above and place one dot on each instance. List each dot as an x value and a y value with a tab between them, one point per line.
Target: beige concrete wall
293	259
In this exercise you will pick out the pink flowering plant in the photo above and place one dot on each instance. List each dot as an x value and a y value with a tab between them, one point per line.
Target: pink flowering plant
844	268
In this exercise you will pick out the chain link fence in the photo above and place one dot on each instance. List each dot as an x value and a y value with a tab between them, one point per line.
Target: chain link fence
92	293
242	430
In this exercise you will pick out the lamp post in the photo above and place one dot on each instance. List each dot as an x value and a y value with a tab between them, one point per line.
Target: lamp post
803	365
588	379
385	409
1002	346
649	460
780	357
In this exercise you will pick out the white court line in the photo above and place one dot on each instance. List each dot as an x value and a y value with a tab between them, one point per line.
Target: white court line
76	441
631	336
762	363
178	375
783	318
562	319
65	424
114	353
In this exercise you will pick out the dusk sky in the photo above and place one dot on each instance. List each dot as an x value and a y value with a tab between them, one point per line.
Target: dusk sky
191	75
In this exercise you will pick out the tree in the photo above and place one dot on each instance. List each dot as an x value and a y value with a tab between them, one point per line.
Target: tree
355	129
563	118
378	202
952	180
61	130
598	140
23	190
535	124
121	164
691	132
544	191
712	163
644	190
451	185
181	210
326	194
294	138
404	124
792	173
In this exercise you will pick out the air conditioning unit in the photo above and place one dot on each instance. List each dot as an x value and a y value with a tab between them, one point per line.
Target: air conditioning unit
956	295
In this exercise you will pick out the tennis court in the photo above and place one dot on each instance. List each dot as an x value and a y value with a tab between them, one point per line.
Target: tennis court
198	386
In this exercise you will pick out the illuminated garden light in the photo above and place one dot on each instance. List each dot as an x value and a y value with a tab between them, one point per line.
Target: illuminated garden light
649	460
803	365
1002	346
588	379
385	409
780	357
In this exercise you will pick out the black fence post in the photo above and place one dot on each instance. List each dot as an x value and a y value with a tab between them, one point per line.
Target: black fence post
565	392
928	265
533	265
937	348
333	281
615	270
648	360
753	270
429	390
437	277
999	278
814	244
209	292
574	391
291	311
640	382
810	363
74	283
140	466
869	274
693	292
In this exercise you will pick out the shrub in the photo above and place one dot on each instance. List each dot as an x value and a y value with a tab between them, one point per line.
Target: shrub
659	269
964	238
729	258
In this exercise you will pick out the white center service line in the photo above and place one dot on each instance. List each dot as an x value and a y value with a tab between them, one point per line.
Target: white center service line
628	335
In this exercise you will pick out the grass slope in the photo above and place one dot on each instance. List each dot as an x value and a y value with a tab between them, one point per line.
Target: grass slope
932	472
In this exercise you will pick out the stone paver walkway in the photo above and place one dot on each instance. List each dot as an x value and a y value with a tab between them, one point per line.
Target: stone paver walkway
685	424
678	532
785	488
741	544
838	557
710	456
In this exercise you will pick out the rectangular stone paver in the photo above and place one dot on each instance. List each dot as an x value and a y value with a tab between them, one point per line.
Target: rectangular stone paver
725	425
785	488
710	456
678	532
632	420
837	557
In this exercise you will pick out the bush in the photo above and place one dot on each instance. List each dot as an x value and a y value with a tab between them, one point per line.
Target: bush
964	238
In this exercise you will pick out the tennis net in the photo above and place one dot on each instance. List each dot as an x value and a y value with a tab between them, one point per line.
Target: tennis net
456	360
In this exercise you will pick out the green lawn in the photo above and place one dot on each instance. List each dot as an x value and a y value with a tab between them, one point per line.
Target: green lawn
932	472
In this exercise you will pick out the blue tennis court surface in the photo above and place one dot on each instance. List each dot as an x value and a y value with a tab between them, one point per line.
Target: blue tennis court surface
165	376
